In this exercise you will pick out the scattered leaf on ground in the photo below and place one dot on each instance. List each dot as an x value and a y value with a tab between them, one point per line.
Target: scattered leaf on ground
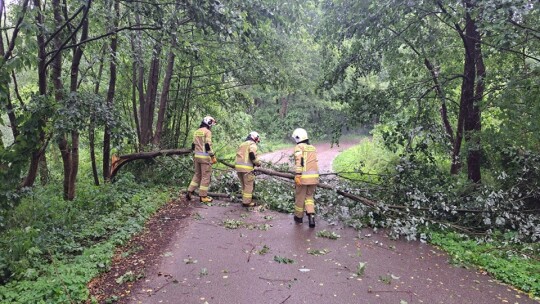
264	227
232	224
361	268
283	260
385	279
264	250
328	234
190	261
318	252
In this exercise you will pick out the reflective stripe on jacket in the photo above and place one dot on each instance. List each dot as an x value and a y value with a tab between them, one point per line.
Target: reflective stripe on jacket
306	163
201	137
243	163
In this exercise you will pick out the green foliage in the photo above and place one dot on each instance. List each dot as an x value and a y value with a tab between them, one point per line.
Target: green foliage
277	195
203	272
15	157
385	279
513	264
320	118
365	162
129	276
317	252
264	250
170	171
232	224
51	248
328	234
283	260
361	269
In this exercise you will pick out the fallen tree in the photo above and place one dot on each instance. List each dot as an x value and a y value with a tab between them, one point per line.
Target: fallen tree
433	213
119	161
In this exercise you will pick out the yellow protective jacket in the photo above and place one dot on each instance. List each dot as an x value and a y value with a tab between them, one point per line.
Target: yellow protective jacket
201	137
243	162
306	163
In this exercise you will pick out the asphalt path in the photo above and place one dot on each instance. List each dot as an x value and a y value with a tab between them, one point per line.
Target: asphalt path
226	254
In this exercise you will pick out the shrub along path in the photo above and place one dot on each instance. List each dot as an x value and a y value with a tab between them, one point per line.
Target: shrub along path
223	254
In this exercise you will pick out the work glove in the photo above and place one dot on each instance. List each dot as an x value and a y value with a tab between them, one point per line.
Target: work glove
257	164
214	160
298	179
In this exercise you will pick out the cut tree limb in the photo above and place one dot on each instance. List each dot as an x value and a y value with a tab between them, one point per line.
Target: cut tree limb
119	161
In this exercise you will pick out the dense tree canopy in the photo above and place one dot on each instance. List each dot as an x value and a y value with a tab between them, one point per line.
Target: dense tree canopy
438	72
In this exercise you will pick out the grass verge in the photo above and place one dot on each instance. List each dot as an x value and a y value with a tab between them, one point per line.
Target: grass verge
518	265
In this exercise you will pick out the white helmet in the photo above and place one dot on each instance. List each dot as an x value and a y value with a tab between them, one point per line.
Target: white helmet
209	121
299	135
255	136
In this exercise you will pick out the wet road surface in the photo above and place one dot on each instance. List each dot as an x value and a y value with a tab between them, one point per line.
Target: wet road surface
210	263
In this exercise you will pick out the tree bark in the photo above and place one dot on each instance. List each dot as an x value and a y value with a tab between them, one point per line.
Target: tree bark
474	125
172	130
284	106
474	81
42	85
74	145
110	93
91	129
43	170
58	86
140	82
74	167
187	99
134	92
151	93
165	93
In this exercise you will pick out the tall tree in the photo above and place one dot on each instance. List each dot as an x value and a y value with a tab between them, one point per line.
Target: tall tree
112	89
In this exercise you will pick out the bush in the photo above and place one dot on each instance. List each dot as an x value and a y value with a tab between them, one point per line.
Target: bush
51	248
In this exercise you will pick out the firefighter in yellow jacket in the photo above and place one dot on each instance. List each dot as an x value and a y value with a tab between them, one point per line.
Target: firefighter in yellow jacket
203	158
306	178
246	160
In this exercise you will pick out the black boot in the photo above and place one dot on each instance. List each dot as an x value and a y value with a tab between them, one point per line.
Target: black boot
311	218
188	195
298	220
